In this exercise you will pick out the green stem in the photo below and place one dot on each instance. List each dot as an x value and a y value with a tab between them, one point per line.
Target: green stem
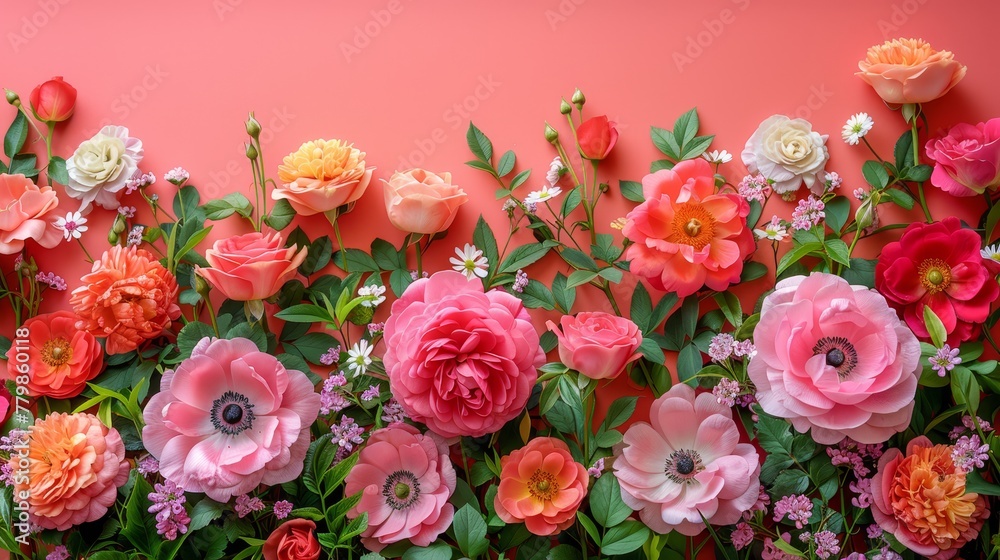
256	196
420	266
340	241
916	160
48	150
565	160
89	258
263	179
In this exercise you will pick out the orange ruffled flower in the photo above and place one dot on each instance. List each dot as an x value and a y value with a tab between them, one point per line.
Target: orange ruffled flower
322	176
61	358
921	499
541	485
910	71
75	466
128	298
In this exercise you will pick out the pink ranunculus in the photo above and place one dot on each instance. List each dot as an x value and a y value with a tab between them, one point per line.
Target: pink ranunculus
687	466
542	486
252	266
27	211
686	235
230	418
460	360
834	358
598	345
406	479
967	158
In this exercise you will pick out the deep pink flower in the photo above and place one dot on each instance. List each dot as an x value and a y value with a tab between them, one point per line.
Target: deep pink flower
406	479
598	345
597	136
688	462
938	265
460	360
967	158
230	418
834	358
687	236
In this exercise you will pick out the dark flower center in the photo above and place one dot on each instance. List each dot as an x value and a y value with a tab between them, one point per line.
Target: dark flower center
840	354
401	490
835	357
232	413
682	465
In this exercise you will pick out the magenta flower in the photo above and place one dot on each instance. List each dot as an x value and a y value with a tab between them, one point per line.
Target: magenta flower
688	462
406	479
834	358
229	418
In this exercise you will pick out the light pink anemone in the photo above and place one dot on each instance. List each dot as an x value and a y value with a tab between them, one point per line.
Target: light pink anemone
834	359
230	418
687	463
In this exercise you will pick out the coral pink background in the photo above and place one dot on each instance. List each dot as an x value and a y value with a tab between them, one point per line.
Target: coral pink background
401	79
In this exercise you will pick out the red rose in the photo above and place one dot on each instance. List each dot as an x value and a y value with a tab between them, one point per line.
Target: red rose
293	540
596	137
53	101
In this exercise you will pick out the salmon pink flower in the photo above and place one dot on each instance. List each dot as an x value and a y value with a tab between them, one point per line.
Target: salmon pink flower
597	136
542	486
686	235
252	266
230	418
938	265
835	359
27	211
61	358
909	71
293	540
322	176
687	466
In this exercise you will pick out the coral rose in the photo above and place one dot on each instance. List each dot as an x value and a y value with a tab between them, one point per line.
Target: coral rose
686	463
460	360
938	265
598	345
909	71
128	297
75	466
542	486
597	136
293	540
230	418
100	168
921	499
789	153
967	158
53	101
405	479
27	211
252	266
60	359
685	235
834	358
418	201
322	176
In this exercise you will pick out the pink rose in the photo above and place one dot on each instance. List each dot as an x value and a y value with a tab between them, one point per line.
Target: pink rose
418	201
967	159
27	211
252	266
835	359
598	345
460	360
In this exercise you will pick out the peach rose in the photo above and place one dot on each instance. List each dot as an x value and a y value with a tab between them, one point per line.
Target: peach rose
251	267
598	345
909	71
27	211
322	176
60	358
293	540
128	297
419	201
75	466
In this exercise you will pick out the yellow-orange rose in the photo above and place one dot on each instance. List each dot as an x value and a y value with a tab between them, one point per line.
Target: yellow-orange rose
419	201
910	71
322	176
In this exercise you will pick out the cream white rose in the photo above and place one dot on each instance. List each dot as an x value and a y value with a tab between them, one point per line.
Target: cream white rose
100	167
788	152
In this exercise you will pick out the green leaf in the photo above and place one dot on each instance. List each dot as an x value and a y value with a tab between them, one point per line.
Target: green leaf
281	215
838	210
974	482
632	190
57	170
485	241
686	127
606	503
305	313
314	345
774	434
797	253
218	209
482	166
13	141
356	260
611	274
730	306
665	142
579	259
689	363
192	242
790	481
935	327
580	277
522	256
438	550
564	296
903	152
642	308
205	512
838	251
506	164
861	272
589	526
24	164
696	147
470	531
318	256
537	295
190	335
900	198
386	256
619	412
140	527
689	316
652	351
244	330
186	202
534	549
479	144
572	200
875	174
660	164
964	388
920	173
624	538
519	179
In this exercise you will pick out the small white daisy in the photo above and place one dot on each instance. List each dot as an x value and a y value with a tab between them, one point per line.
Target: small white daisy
856	128
72	225
991	252
773	230
374	295
358	357
718	156
535	197
470	262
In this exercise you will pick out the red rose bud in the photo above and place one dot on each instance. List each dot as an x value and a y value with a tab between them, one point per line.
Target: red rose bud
53	101
597	136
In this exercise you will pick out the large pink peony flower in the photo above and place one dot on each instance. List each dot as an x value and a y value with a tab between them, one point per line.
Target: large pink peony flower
938	265
406	480
687	236
836	359
460	360
229	418
688	462
967	158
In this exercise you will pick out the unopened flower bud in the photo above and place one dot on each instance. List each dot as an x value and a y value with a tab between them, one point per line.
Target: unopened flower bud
201	286
551	134
578	98
12	98
119	226
253	127
565	108
251	152
604	187
866	214
113	237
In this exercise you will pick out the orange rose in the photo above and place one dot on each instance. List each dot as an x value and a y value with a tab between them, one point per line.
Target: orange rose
128	298
59	358
251	267
322	176
75	466
293	540
909	71
419	201
27	211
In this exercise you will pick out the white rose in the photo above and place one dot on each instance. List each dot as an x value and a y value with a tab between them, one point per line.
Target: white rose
100	167
788	152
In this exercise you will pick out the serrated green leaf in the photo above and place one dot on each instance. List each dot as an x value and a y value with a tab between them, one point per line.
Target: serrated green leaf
665	142
57	170
17	133
281	215
522	256
506	163
875	174
479	144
